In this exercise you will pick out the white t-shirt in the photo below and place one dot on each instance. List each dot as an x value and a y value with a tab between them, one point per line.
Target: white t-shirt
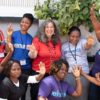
76	56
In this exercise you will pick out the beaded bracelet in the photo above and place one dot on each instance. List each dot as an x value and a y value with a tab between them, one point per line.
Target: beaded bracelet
77	78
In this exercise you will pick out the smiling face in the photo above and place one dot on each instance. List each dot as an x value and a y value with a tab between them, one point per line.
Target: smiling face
62	72
25	24
15	70
49	29
74	37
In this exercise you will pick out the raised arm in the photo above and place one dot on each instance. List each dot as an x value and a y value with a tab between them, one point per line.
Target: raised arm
38	77
94	80
7	57
95	22
76	73
9	33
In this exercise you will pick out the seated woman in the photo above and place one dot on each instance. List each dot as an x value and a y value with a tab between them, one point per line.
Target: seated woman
14	84
54	87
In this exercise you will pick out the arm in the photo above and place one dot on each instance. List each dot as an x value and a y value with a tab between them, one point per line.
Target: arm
9	33
37	78
32	51
6	59
9	54
91	79
95	22
76	73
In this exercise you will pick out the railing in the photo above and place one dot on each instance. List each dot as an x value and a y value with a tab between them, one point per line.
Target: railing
16	8
17	3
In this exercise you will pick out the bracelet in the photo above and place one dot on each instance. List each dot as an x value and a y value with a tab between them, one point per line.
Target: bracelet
77	78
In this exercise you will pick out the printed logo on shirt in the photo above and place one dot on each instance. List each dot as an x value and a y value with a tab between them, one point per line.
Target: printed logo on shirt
21	46
58	94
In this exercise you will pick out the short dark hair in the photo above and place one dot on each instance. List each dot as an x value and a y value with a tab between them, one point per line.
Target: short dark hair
74	28
8	67
29	16
57	65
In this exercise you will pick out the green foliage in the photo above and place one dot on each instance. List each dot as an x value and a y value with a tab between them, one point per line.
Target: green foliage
67	12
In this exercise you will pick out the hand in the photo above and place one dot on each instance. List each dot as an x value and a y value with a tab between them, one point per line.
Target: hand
9	30
90	40
76	71
42	68
31	48
10	46
97	75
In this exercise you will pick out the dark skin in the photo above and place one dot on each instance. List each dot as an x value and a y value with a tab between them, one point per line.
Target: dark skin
96	25
95	22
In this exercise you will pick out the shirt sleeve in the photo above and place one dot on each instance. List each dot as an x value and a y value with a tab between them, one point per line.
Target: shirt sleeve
44	89
32	79
4	91
63	52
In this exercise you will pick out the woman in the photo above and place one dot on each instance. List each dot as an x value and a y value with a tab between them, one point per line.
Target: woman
13	86
21	40
94	93
54	87
75	52
46	47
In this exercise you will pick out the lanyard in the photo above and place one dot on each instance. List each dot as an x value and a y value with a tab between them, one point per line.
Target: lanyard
59	87
74	56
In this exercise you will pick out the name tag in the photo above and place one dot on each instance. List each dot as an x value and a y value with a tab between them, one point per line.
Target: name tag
1	55
23	62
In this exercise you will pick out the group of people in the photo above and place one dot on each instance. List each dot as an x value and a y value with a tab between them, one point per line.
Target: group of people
55	71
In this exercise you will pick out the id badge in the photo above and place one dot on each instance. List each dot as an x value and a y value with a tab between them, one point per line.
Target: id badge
23	62
1	55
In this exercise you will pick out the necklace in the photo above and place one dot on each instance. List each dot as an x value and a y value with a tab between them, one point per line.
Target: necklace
73	55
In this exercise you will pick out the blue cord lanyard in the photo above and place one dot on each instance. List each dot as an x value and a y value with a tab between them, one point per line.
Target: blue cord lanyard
74	56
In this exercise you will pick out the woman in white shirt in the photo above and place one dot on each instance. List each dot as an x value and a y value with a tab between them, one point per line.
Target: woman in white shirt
75	52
